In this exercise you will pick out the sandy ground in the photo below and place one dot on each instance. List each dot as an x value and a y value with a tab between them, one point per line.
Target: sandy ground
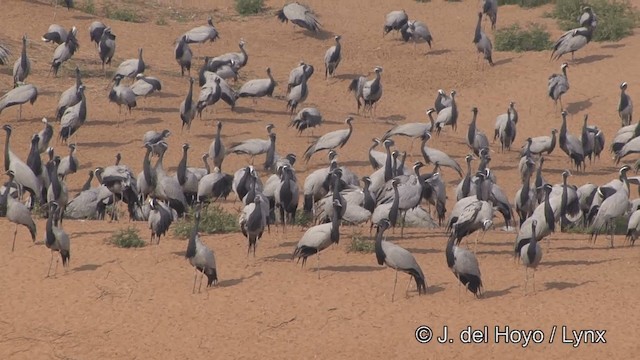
125	304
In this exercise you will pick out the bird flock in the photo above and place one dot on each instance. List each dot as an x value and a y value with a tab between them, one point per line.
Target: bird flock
391	196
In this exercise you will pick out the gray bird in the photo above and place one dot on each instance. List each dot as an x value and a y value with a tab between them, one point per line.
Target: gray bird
448	115
201	257
295	76
258	87
307	118
330	140
625	106
217	149
4	54
16	212
214	185
356	86
69	97
202	34
572	41
18	96
55	34
95	31
153	137
442	101
188	108
22	66
74	117
526	200
131	67
633	227
412	130
541	144
332	58
318	238
252	147
490	8
571	144
298	94
372	92
432	156
531	255
464	266
237	59
476	139
588	17
57	240
226	93
57	190
65	51
188	177
107	46
145	86
501	121
300	15
399	259
612	207
160	220
183	55
482	42
69	164
286	197
394	20
418	32
122	94
253	220
45	136
22	173
558	85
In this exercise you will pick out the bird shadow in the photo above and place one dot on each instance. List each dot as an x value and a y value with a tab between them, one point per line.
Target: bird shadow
239	121
243	110
497	293
108	143
232	282
578	106
163	95
438	52
339	76
503	61
592	58
278	257
93	267
84	233
179	253
613	46
495	252
103	122
562	285
161	109
352	268
576	262
83	17
149	121
355	163
395	117
424	251
272	112
434	289
288	244
320	34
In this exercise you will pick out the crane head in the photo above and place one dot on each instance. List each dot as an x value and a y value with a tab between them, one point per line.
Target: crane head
564	66
383	224
185	146
8	128
366	179
623	86
338	37
453	93
430	111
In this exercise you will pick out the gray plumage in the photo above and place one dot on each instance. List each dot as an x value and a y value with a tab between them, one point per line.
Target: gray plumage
107	46
23	175
145	85
253	220
490	8
57	190
531	255
448	115
482	42
330	141
356	87
525	199
69	164
318	238
633	227
95	31
558	85
398	258
201	257
183	55
122	94
73	117
588	17
432	156
442	101
88	203
306	118
202	34
4	54
625	106
237	59
16	212
476	139
65	51
286	196
160	220
419	32
572	41
300	15
69	97
464	266
45	136
298	94
501	122
217	149
252	147
57	240
478	215
17	96
394	20
226	93
372	91
258	87
541	144
22	65
571	144
611	208
413	130
131	67
153	137
332	58
55	34
214	185
296	74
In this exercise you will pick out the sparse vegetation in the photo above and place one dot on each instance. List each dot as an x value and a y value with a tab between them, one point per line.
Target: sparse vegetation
214	220
515	38
423	1
121	14
127	238
616	19
303	219
361	244
161	21
621	228
249	7
525	3
88	7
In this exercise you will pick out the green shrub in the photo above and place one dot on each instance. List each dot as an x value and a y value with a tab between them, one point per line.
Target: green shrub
616	19
248	7
127	238
122	14
514	38
620	229
303	219
89	7
213	220
423	1
161	21
361	244
525	3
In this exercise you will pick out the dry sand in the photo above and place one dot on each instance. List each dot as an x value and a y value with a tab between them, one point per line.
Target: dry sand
125	304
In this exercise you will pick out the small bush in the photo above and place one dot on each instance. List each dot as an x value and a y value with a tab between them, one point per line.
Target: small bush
213	220
620	229
248	7
303	219
525	3
423	1
127	238
361	244
514	38
161	21
89	7
128	15
616	19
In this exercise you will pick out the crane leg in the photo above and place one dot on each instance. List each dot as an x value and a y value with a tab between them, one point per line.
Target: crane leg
526	279
404	216
394	286
459	286
55	270
201	277
406	291
50	263
15	233
612	230
195	277
534	280
318	264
